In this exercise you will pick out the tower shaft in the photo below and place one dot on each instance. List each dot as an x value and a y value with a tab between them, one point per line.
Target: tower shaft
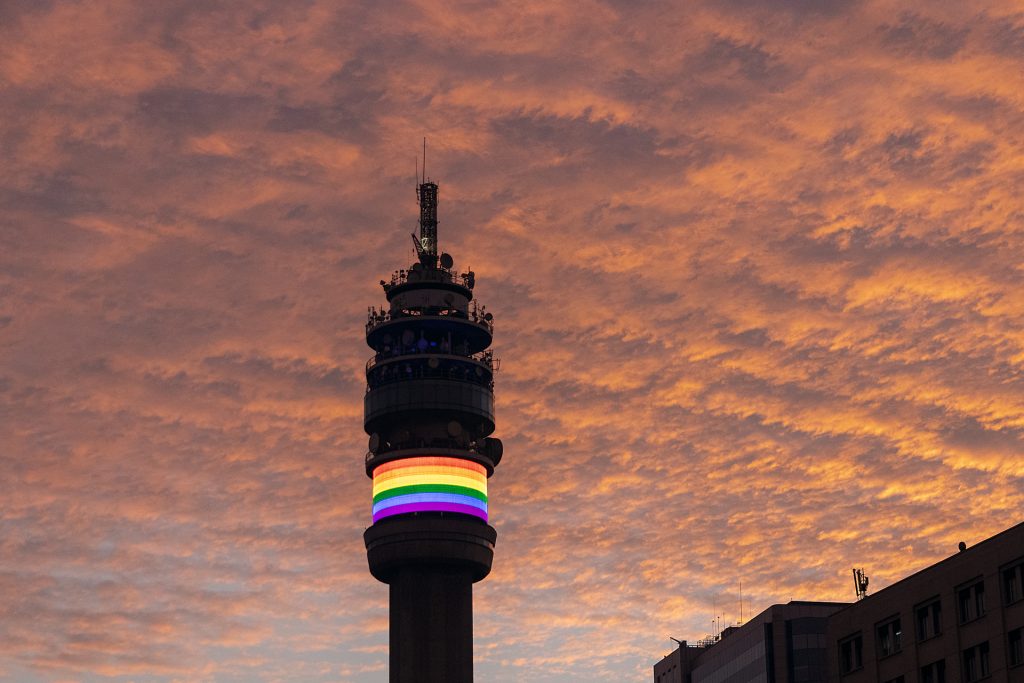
431	636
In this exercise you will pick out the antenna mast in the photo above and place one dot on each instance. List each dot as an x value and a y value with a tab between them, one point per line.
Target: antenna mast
741	601
426	194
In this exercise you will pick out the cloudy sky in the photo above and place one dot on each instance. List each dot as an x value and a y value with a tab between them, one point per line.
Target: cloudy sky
757	270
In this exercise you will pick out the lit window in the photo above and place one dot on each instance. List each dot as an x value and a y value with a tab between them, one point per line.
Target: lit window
890	637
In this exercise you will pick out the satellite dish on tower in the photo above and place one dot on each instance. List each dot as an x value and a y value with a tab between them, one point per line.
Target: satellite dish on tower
374	442
493	449
446	260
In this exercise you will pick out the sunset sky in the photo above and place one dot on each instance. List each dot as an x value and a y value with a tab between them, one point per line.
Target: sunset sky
756	266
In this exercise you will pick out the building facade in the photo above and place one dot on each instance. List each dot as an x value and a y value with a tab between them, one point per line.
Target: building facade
676	666
783	644
957	621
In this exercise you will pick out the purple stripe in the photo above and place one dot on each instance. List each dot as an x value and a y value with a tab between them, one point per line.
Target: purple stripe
430	507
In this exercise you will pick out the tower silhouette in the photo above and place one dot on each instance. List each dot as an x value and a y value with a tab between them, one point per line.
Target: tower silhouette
429	411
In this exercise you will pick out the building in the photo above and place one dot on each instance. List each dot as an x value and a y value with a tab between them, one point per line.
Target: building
783	644
957	621
677	666
429	411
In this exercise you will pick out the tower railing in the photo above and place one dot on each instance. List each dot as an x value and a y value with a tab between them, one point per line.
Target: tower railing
484	358
375	319
439	274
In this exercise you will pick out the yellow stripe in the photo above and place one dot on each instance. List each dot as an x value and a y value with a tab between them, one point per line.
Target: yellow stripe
428	471
414	480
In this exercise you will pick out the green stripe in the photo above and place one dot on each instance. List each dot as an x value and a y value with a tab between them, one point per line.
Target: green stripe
430	488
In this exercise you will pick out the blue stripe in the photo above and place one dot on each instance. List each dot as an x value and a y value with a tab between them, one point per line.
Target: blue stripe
429	498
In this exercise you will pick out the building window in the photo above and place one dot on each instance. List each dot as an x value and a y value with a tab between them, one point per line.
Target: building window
1013	583
976	662
851	654
890	638
934	672
929	620
1016	647
972	601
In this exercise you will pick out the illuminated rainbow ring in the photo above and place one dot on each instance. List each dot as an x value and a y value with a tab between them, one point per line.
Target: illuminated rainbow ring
429	484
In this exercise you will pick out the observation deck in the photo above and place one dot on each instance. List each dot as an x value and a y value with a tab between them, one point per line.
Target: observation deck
477	369
387	328
417	277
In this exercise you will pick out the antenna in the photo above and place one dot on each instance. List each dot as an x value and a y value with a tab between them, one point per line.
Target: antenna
741	601
426	194
860	583
714	615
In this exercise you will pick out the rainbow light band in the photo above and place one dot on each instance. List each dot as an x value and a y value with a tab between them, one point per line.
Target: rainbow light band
429	484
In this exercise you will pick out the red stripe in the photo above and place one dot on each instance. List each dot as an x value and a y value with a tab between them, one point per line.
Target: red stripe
430	460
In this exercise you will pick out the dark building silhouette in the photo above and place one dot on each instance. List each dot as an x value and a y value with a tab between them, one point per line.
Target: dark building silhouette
960	620
676	666
783	644
429	411
957	621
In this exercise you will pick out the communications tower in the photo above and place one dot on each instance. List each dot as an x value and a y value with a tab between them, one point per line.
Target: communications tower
429	411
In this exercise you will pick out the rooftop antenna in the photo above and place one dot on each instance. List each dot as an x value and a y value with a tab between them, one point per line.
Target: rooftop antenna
714	616
860	583
424	159
741	602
